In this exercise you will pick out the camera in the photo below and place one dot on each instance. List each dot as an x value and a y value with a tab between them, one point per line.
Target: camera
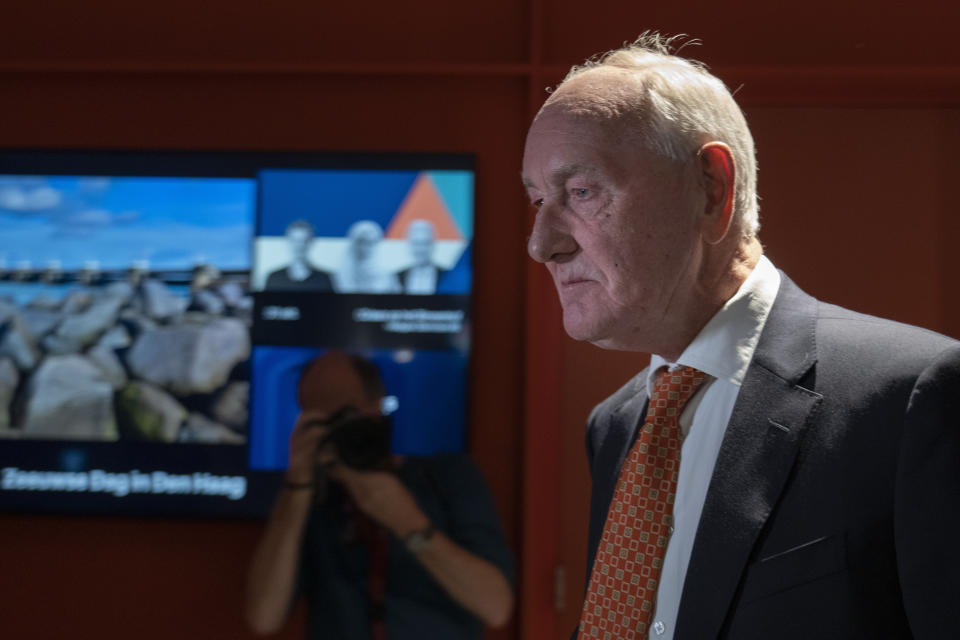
362	440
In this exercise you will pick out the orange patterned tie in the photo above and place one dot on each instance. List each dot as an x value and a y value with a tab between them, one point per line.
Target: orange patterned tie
626	570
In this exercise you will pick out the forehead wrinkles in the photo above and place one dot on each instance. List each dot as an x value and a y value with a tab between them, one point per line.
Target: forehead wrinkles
577	126
564	145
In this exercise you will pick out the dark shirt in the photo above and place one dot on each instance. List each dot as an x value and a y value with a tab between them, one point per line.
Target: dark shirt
279	281
335	569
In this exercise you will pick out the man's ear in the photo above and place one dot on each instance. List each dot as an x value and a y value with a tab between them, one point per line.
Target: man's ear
717	174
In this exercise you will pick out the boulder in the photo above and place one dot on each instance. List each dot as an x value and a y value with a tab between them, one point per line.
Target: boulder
56	346
207	301
9	379
85	327
199	428
204	276
188	358
244	310
159	303
44	303
8	308
76	301
135	323
17	344
116	338
232	293
105	359
68	398
39	322
120	290
197	318
230	406
146	412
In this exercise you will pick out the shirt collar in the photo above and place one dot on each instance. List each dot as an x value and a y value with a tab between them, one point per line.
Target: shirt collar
724	347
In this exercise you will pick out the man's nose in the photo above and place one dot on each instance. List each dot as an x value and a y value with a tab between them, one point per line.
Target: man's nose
550	240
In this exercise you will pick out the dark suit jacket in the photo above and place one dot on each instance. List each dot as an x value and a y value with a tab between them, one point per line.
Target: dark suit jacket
316	282
834	507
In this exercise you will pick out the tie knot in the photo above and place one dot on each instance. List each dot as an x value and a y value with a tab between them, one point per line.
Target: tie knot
673	388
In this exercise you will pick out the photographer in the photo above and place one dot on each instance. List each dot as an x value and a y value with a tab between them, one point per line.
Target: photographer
399	547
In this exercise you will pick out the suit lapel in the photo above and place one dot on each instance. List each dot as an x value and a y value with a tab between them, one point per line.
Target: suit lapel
627	421
755	459
615	441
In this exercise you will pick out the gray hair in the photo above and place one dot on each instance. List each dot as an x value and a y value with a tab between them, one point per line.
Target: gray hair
681	107
368	228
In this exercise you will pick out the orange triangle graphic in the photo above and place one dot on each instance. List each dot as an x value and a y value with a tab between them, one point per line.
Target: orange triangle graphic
423	202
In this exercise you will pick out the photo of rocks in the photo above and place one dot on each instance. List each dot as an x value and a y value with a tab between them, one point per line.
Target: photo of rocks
125	310
127	361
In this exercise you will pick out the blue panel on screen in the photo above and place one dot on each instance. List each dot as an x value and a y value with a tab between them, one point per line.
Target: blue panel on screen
431	391
330	200
274	403
458	279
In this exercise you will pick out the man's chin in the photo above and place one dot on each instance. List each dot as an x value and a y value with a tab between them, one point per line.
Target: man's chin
597	335
582	331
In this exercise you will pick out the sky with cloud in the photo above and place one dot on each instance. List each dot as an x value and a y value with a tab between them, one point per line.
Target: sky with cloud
172	223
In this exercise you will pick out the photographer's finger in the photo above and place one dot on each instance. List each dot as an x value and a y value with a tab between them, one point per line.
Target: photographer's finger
326	454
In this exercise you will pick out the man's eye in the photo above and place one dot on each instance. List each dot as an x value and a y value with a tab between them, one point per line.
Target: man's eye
538	203
581	193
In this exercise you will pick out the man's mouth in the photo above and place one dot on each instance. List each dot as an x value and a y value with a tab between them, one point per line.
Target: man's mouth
573	281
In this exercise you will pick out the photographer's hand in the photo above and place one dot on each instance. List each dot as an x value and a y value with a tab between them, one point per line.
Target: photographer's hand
304	440
382	496
273	570
475	583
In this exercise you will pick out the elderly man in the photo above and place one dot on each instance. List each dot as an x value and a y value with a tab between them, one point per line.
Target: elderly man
784	468
360	272
423	275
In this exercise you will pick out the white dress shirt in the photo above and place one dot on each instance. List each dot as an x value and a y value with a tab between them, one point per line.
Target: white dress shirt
722	350
422	280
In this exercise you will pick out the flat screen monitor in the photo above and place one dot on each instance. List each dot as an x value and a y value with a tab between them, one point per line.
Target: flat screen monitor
157	309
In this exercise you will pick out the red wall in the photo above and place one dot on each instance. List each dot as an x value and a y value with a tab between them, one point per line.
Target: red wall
855	122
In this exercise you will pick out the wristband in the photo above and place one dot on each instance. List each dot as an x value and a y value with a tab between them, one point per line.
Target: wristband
416	541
